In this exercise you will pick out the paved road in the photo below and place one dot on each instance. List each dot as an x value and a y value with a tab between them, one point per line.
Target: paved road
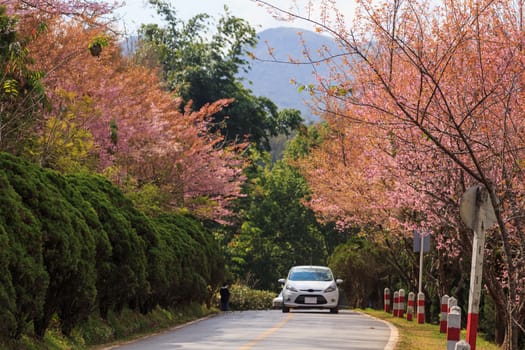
272	329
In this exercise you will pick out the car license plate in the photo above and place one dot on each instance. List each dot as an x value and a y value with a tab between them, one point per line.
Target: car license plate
310	300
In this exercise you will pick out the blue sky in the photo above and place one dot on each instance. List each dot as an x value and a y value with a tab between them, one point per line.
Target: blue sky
136	12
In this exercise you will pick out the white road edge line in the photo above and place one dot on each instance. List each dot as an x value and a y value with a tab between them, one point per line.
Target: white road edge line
394	333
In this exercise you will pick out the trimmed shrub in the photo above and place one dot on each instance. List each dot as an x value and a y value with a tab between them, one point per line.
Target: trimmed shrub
74	247
26	279
122	278
7	291
244	298
66	242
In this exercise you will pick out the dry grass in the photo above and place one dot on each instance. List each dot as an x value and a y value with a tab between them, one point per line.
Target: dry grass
426	336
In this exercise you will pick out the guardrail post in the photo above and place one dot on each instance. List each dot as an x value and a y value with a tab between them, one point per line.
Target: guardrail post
410	306
444	314
401	305
420	307
395	311
453	327
462	345
386	300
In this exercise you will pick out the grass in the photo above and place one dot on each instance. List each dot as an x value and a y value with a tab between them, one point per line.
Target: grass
131	325
426	336
97	333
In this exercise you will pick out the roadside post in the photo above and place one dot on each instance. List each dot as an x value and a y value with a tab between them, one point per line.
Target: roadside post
396	304
401	304
453	327
451	303
477	213
462	345
444	314
420	308
386	300
410	306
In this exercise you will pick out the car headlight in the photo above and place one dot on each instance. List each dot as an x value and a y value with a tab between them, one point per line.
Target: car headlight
331	288
292	288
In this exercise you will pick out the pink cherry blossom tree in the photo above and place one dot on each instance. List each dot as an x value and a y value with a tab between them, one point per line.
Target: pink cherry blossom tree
433	91
129	127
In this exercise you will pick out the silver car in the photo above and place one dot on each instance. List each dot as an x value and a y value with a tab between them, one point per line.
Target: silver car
310	287
277	302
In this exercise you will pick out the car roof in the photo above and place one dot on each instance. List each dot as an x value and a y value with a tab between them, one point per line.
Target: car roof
310	267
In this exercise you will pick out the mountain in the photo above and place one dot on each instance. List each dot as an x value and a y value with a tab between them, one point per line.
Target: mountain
273	80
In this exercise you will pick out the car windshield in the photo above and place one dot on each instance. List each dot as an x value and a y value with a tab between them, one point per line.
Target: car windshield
310	275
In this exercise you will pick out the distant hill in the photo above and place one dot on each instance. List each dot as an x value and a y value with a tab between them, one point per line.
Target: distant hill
273	80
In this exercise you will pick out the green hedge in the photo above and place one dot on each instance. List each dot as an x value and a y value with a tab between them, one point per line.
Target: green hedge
74	247
244	298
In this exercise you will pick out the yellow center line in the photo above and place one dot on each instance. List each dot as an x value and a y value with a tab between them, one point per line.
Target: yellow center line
266	334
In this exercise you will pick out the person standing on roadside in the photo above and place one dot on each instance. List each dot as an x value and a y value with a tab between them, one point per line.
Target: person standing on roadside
225	296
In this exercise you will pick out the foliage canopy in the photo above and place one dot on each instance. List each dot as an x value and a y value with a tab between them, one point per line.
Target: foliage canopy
201	63
75	246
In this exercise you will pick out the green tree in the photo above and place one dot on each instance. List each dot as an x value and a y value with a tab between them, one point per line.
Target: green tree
361	265
201	64
277	229
306	139
21	92
63	143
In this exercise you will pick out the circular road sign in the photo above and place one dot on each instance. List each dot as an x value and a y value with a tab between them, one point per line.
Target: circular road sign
476	200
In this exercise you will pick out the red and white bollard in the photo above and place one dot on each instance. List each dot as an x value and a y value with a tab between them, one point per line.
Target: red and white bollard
444	314
451	303
420	307
395	311
453	327
401	304
386	300
462	345
410	306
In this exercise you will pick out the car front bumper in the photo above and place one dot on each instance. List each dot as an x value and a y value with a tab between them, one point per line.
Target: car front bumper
305	300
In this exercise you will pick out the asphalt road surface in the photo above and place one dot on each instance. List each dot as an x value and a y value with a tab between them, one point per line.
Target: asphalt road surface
272	329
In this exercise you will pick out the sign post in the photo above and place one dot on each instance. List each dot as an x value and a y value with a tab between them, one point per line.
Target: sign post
477	212
420	284
421	245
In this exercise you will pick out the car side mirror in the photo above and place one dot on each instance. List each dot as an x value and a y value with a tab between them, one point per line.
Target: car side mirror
338	281
281	280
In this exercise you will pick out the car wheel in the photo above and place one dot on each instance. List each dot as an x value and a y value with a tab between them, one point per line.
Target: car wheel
286	309
334	310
